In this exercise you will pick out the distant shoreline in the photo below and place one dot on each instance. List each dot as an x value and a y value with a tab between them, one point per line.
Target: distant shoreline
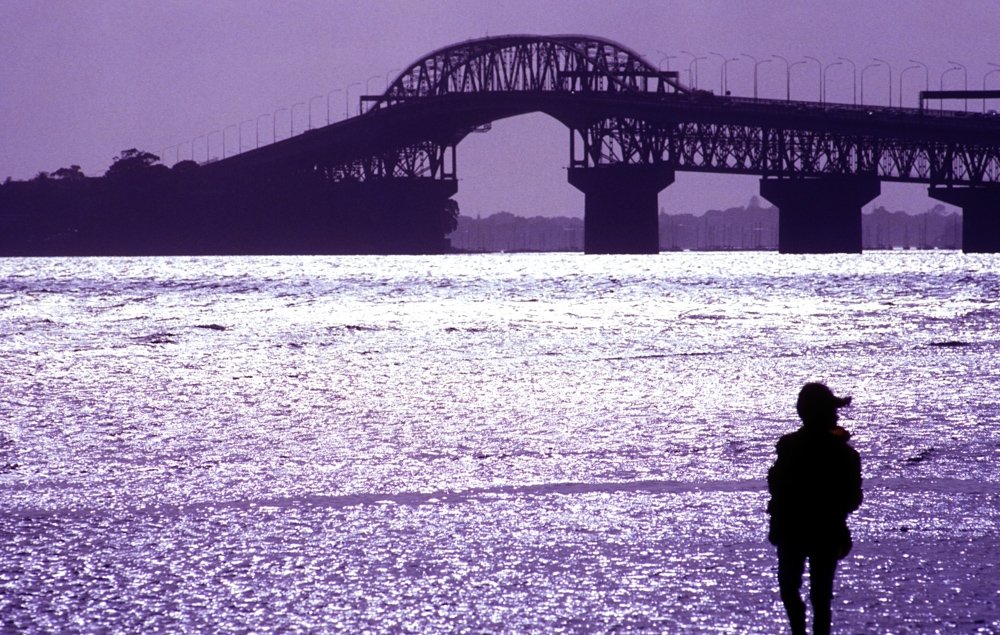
747	228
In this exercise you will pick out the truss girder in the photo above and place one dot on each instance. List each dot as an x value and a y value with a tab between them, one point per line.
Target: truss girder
528	64
423	160
768	151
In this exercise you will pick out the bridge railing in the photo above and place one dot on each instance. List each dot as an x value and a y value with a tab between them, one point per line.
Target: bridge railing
861	111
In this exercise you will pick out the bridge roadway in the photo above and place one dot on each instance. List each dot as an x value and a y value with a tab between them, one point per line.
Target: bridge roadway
818	162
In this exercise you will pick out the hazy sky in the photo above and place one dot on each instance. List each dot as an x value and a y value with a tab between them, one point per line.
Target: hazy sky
80	81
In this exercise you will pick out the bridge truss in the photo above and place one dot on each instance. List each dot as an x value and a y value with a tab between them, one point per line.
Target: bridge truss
776	151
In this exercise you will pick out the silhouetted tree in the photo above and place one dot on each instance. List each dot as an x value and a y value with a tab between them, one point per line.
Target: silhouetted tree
72	173
186	166
132	161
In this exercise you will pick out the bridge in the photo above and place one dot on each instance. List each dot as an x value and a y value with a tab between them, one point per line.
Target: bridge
633	126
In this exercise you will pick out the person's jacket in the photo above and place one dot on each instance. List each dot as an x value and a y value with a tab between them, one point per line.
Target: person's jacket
814	483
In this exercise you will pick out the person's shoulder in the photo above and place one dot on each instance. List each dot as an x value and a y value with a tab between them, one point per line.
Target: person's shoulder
789	441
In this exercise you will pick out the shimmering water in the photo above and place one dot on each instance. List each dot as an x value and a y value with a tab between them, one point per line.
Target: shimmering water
522	443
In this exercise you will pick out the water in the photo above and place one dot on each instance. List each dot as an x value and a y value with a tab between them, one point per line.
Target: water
497	443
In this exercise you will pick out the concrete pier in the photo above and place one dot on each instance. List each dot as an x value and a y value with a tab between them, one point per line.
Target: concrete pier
819	215
980	215
621	214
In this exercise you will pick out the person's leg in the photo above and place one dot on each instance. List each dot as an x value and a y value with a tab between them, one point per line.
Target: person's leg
822	567
791	563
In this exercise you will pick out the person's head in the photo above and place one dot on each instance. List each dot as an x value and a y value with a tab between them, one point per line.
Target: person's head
817	405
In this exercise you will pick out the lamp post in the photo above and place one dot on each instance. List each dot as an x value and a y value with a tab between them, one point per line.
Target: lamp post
854	76
665	56
901	74
291	118
274	124
788	74
819	67
724	74
867	66
888	66
996	69
258	128
756	65
941	82
347	100
693	74
825	69
163	153
367	89
208	141
329	120
311	100
965	80
927	77
193	145
224	130
241	133
392	72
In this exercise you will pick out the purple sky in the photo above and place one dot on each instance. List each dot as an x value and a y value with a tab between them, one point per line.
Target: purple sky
80	81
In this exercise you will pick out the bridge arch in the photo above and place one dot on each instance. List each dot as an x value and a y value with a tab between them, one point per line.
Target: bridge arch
529	63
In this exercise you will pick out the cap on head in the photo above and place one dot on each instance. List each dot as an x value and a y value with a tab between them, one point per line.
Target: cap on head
816	401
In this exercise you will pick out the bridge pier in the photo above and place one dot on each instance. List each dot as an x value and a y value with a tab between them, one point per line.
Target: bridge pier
621	215
820	215
980	215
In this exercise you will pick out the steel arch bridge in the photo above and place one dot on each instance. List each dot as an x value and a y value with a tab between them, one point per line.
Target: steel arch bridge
626	115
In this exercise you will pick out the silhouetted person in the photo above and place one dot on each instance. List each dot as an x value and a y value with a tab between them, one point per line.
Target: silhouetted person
814	483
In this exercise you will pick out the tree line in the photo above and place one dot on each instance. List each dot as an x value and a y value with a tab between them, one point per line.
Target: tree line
142	207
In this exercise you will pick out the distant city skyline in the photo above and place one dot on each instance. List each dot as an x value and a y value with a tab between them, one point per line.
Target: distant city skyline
81	82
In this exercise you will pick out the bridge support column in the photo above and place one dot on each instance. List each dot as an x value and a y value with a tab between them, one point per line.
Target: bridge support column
621	215
980	216
820	215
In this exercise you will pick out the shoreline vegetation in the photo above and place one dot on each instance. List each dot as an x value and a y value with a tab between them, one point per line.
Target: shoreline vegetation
143	208
140	207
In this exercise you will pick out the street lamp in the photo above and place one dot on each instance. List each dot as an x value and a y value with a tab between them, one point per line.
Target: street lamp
872	65
193	145
391	73
854	75
328	95
965	80
825	69
788	74
347	100
941	82
819	67
756	64
693	74
274	124
996	69
665	56
241	133
901	74
232	125
258	128
368	91
208	142
927	77
163	153
889	66
724	73
311	99
291	118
